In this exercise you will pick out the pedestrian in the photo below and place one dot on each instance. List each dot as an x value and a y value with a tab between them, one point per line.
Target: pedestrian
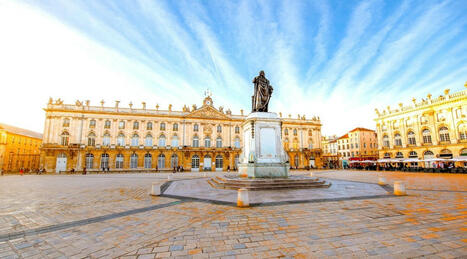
21	171
84	170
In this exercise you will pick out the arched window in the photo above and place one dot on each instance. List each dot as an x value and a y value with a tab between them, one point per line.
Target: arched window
237	129
148	140
134	161
162	141
175	127
135	140
195	162
387	155
121	140
397	140
119	161
463	131
66	122
121	124
219	163
174	141
286	132
149	126
161	161
411	138
428	155
444	134
135	125
89	161
207	142
463	152
105	160
106	139
65	139
173	161
207	162
195	141
147	160
219	128
445	153
426	136
218	142
237	142
107	124
386	141
195	127
295	132
92	139
413	154
399	155
162	126
92	124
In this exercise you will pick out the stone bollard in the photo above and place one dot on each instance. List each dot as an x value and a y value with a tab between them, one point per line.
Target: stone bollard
399	188
311	174
242	198
156	189
205	174
382	181
169	177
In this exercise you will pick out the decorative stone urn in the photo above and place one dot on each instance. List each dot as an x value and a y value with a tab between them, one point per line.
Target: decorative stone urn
263	155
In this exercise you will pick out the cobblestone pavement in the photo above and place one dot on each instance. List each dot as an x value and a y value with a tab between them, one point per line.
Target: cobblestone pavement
429	222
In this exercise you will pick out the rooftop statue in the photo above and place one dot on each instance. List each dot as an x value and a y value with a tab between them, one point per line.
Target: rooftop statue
262	94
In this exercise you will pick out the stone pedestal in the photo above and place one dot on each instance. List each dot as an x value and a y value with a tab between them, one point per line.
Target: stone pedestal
263	155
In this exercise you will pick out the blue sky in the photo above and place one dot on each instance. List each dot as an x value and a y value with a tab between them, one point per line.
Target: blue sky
335	59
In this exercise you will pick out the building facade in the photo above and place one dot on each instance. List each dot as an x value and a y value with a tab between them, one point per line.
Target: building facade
330	152
19	148
430	128
130	139
358	144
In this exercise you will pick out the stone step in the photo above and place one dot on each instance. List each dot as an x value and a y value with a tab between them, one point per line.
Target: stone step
221	183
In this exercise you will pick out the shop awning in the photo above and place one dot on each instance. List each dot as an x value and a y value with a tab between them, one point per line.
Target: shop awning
460	158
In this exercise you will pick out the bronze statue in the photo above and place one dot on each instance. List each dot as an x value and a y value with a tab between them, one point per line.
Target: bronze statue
263	92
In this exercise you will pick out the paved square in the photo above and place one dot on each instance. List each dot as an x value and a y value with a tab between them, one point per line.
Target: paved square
113	216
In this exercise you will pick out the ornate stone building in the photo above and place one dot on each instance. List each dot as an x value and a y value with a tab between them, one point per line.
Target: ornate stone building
141	139
435	127
19	148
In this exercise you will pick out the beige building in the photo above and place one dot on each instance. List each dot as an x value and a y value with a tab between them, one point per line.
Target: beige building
19	148
198	138
330	151
358	144
435	127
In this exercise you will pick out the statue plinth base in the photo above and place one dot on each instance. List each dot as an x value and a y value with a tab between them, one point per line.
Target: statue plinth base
263	155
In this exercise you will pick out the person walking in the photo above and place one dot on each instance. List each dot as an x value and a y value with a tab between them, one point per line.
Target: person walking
21	171
84	170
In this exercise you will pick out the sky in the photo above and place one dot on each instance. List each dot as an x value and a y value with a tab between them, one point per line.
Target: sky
338	60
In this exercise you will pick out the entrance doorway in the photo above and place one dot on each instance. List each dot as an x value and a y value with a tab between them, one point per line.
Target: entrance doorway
207	163
61	163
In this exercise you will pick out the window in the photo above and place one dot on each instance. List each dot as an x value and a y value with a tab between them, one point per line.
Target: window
219	128
135	140
89	161
413	154
174	142
195	141
237	142
121	140
92	139
162	141
65	139
66	122
295	132
364	145
162	127
310	144
385	141
92	123
207	142
175	127
105	160
134	161
135	125
444	134
286	132
121	125
149	126
195	162
411	138
310	133
399	155
174	161
106	139
195	127
161	161
463	131
237	129
426	136
397	140
107	124
147	160
148	140
219	162
119	161
387	155
351	145
219	142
